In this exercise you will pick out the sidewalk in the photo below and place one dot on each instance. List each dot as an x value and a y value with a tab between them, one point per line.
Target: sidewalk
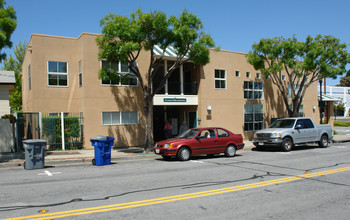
81	157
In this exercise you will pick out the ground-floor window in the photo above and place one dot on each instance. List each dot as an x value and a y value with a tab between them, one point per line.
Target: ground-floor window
120	118
253	117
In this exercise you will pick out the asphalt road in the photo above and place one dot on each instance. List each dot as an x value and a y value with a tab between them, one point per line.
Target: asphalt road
306	183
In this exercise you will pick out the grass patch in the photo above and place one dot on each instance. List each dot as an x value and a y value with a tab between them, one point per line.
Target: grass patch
342	123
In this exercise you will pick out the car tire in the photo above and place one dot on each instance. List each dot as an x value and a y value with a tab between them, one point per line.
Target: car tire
93	162
183	154
166	157
323	141
259	148
230	151
287	144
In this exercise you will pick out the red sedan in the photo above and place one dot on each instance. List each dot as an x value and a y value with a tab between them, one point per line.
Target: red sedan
195	141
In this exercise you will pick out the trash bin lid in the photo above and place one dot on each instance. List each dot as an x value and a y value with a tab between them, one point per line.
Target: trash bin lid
33	141
99	138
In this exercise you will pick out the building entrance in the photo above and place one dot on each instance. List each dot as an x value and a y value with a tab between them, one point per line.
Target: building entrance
175	115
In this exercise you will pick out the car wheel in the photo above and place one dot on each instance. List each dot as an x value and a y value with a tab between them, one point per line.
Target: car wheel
184	154
287	144
166	157
230	151
93	162
323	141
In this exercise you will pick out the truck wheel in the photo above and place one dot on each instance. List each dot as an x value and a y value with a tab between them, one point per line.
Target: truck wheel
287	144
323	141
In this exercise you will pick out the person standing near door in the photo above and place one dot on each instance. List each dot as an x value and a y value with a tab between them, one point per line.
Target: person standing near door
183	127
167	130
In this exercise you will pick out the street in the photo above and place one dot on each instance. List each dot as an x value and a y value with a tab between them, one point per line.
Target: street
306	183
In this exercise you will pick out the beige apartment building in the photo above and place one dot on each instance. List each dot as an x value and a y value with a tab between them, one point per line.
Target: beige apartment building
60	74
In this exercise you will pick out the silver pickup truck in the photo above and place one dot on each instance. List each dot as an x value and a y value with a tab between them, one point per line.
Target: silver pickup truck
287	132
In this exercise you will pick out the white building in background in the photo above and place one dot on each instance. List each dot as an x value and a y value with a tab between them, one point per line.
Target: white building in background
7	81
340	92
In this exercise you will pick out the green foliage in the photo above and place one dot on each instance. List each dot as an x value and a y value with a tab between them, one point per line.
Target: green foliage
52	125
123	39
8	25
11	117
345	81
15	64
303	63
340	107
342	123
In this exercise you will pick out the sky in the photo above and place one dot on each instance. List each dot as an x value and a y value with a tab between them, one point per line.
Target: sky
233	24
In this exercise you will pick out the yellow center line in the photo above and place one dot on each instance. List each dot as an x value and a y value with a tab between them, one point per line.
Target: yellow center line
127	205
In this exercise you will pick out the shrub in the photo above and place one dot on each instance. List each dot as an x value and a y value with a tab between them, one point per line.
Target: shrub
342	123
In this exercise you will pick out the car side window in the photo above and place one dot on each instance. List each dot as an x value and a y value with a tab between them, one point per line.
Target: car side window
207	133
308	123
222	133
301	123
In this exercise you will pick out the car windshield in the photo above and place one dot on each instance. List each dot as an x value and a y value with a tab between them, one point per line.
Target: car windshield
286	123
188	134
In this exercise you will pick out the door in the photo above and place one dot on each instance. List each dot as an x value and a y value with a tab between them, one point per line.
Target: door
206	143
192	119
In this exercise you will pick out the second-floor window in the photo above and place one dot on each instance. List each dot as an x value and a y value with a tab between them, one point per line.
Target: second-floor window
125	77
29	78
57	73
253	90
220	79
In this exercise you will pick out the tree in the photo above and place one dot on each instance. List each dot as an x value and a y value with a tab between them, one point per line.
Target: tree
302	63
15	64
124	38
8	25
345	80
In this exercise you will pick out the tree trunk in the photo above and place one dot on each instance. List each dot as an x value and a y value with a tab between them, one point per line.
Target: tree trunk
148	136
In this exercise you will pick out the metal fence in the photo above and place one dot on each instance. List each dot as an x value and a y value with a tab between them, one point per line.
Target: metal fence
63	131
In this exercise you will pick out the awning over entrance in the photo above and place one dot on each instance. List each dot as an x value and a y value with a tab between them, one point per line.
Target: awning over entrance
328	98
169	51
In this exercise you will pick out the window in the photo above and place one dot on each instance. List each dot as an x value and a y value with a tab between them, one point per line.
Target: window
283	77
80	74
267	77
124	76
57	73
247	74
253	117
207	133
296	89
222	133
120	118
29	78
300	112
238	74
258	75
253	90
220	79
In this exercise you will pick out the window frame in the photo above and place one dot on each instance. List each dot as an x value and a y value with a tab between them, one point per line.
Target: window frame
121	120
80	74
247	75
29	77
57	74
220	79
120	74
253	90
254	120
258	75
239	73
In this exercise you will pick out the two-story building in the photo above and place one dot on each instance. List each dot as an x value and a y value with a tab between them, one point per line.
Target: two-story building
60	74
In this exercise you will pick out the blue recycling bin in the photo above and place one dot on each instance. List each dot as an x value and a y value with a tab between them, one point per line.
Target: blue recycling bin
102	146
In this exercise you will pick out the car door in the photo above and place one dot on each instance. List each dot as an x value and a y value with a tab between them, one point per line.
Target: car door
206	142
310	131
223	137
299	134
